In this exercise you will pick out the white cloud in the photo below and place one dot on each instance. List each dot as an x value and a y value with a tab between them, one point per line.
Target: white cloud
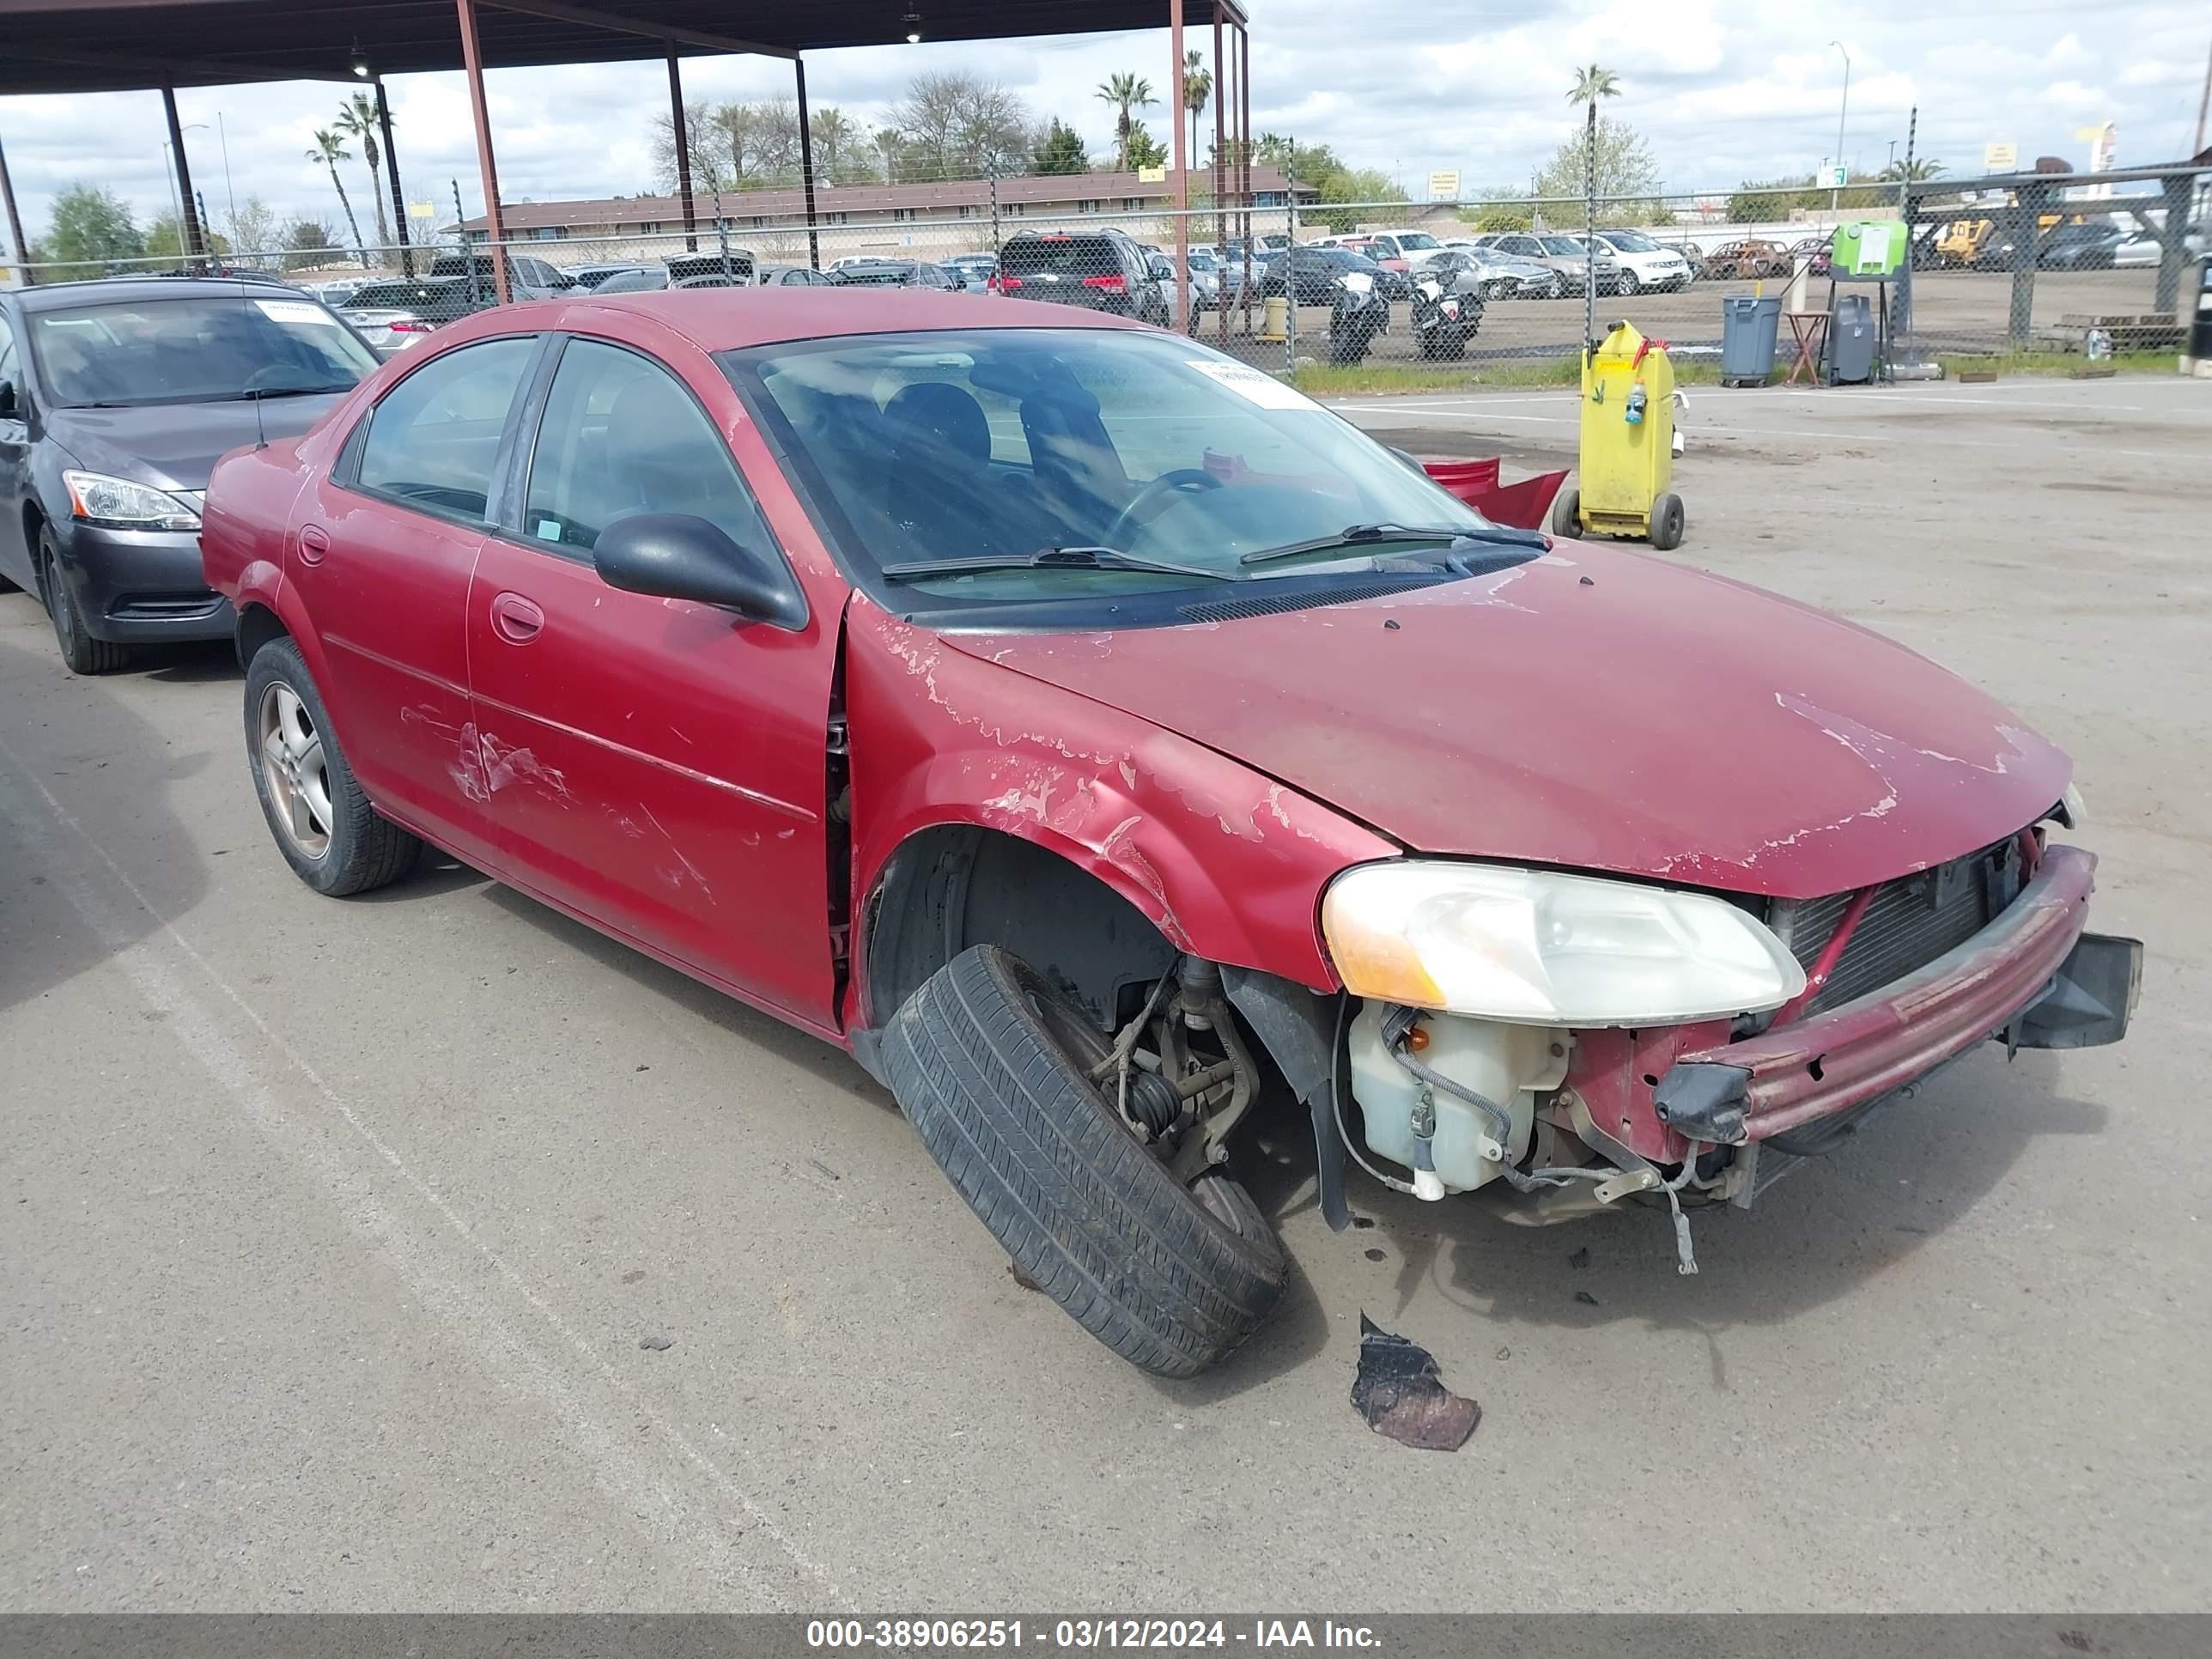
1723	91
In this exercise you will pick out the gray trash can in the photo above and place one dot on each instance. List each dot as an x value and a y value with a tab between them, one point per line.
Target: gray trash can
1748	326
1850	341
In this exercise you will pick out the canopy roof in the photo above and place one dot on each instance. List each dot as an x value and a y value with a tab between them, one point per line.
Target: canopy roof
113	45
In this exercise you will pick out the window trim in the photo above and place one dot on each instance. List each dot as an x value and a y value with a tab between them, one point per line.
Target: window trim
515	481
346	474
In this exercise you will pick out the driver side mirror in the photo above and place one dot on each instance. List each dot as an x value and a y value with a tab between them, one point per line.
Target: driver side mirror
674	556
11	404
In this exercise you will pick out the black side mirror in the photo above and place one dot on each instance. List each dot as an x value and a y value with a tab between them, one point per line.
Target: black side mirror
674	556
11	404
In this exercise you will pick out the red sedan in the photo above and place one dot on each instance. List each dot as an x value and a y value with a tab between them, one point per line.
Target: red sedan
879	666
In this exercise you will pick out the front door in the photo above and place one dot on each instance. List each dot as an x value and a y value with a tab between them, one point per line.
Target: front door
655	765
15	552
381	551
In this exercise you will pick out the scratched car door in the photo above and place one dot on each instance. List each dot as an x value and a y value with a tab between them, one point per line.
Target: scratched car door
655	765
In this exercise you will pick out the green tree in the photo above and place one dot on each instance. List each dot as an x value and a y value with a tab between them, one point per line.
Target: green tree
254	228
1144	149
1197	92
309	243
1060	151
1361	185
1127	93
1918	168
357	121
330	149
840	148
165	238
91	228
1768	201
1499	215
1624	172
1590	85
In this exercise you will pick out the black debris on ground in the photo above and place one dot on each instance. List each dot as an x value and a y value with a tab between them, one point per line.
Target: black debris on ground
656	1342
1378	1255
1580	1258
1586	1298
1399	1391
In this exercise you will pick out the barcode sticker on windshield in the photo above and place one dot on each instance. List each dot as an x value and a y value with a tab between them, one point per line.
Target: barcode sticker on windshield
293	311
1248	382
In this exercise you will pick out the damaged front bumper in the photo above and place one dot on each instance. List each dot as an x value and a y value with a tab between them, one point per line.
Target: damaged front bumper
2032	976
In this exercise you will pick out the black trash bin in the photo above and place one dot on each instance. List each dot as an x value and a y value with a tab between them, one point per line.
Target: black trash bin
2200	331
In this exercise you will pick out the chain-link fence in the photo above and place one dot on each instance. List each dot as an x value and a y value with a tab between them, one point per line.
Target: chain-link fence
1984	273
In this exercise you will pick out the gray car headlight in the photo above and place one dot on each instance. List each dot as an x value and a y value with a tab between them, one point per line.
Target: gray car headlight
1540	948
95	498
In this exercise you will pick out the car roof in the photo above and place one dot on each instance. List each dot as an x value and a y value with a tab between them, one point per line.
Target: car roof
730	318
54	296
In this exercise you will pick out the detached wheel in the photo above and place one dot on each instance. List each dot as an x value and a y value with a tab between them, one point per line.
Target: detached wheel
991	1064
1666	523
333	839
80	652
1567	515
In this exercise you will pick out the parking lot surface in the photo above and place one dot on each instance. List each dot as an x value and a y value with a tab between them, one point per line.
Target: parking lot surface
332	1230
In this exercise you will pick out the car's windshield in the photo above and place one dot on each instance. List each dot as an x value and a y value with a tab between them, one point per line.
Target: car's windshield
194	348
1632	241
633	282
1568	244
1000	443
1417	239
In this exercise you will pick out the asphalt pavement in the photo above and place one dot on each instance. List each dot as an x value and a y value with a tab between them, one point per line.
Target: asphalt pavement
338	1241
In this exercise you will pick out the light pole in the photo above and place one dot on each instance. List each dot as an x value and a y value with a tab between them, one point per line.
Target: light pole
169	166
228	189
1836	195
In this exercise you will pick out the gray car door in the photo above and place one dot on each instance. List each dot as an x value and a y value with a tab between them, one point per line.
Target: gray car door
15	459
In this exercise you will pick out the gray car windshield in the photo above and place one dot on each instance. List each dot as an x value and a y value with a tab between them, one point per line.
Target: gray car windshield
1100	448
194	348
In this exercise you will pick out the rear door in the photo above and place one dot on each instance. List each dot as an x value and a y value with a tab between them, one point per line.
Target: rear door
380	551
656	765
14	460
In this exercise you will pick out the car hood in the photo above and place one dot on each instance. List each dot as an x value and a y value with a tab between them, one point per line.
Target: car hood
176	446
1597	710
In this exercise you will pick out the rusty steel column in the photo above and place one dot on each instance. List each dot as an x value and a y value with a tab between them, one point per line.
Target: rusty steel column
1179	314
494	232
806	164
1220	220
188	220
391	173
15	224
680	126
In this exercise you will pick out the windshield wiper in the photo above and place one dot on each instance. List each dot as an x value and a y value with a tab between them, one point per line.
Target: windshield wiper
265	392
1361	535
1047	558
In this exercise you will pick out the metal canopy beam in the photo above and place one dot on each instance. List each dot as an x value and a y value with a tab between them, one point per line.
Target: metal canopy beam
559	11
171	70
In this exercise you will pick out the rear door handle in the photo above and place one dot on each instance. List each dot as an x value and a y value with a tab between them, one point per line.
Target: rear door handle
314	542
515	619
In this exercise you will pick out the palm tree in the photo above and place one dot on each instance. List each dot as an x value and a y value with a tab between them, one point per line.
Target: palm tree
1590	85
1197	89
1127	94
330	149
357	120
1912	172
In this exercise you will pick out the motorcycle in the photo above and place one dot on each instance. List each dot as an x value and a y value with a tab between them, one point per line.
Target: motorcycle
1356	313
1445	318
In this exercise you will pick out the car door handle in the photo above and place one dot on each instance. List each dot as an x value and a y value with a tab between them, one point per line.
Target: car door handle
515	619
314	542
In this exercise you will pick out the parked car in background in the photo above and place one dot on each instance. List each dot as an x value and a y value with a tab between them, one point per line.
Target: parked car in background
1310	275
1645	263
894	273
855	673
1529	246
643	279
1098	270
1405	251
1814	256
975	270
335	294
1495	276
588	277
394	315
1572	258
115	399
791	277
528	278
736	263
1749	260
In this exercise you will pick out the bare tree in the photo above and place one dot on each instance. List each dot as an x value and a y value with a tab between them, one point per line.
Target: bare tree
954	124
710	175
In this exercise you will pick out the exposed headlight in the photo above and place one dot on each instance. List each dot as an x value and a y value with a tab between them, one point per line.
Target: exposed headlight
118	503
1544	948
2075	808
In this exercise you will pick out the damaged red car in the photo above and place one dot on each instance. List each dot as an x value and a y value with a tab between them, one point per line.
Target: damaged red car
1097	737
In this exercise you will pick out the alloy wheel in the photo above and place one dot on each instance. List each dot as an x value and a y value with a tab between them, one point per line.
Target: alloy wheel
296	768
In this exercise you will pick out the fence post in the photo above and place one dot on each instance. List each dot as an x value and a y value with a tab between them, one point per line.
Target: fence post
2026	233
991	166
1901	325
2172	252
1290	263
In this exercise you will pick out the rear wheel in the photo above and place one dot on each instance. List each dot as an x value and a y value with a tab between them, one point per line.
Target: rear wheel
80	652
1668	522
333	839
992	1066
1567	515
1626	286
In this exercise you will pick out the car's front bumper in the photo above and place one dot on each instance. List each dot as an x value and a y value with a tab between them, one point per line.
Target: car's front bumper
140	586
2031	974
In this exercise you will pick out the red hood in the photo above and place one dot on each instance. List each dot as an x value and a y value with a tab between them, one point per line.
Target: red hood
1596	709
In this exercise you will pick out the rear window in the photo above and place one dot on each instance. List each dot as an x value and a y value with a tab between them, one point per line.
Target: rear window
1064	256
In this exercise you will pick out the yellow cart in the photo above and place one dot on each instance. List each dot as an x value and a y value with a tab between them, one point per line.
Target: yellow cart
1627	446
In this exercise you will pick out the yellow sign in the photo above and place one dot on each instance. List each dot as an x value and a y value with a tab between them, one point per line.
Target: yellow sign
421	210
1151	175
1444	186
2000	158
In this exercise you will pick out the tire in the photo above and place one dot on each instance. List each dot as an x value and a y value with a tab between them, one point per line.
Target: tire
1171	1278
1626	287
1567	515
1668	522
358	849
80	652
1557	287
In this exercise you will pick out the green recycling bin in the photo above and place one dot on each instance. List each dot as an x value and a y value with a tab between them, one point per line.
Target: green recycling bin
1869	247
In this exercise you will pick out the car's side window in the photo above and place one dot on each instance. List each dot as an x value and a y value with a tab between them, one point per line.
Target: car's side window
620	435
11	374
434	440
